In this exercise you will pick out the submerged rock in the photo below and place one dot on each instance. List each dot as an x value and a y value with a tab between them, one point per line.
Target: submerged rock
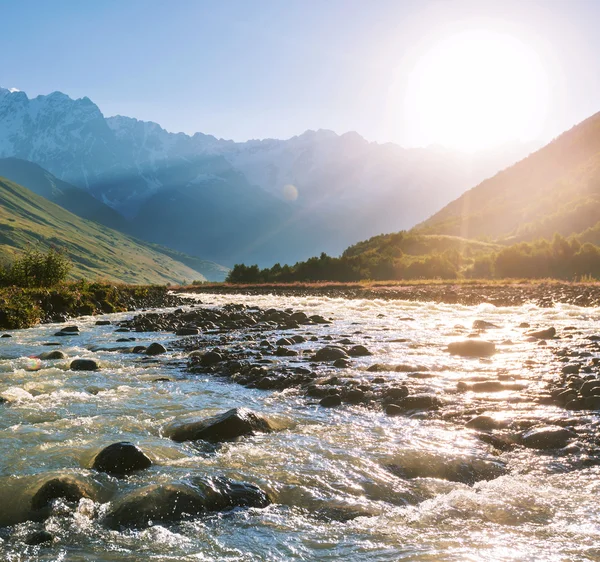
472	348
162	503
38	537
121	459
223	427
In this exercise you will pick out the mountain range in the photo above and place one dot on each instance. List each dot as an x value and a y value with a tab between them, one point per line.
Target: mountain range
258	201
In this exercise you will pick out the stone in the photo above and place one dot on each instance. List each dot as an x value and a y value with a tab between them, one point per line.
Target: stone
5	336
331	401
67	487
210	358
394	410
420	402
359	351
155	349
330	353
234	423
70	329
84	365
284	352
472	348
55	354
543	334
187	331
341	363
160	503
39	537
121	459
318	319
103	323
547	437
483	325
484	423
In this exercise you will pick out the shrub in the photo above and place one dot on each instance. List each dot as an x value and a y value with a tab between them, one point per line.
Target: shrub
37	269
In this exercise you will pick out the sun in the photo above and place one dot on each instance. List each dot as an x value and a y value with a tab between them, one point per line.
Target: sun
474	90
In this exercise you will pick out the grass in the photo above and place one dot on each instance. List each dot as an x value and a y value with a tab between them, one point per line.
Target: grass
97	252
23	308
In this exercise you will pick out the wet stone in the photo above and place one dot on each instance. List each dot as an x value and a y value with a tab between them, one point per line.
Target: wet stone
331	401
330	353
223	427
155	349
547	437
39	537
121	459
84	365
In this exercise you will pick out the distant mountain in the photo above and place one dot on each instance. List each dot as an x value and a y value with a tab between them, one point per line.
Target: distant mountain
233	201
96	250
556	189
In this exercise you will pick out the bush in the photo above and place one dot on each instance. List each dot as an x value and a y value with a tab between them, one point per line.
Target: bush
37	269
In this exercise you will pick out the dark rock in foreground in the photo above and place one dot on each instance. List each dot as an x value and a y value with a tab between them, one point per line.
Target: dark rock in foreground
223	427
68	487
182	500
121	459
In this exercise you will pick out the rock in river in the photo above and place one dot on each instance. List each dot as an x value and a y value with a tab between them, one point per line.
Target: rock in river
223	427
472	348
83	365
547	437
182	500
543	334
330	353
71	488
121	459
155	349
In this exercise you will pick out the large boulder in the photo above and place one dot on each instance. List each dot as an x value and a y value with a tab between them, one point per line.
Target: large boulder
223	427
121	459
472	348
162	503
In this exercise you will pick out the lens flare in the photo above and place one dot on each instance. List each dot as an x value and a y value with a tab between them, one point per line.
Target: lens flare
33	364
290	192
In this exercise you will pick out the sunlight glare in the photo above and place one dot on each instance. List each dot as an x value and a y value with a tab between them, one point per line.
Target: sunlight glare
476	89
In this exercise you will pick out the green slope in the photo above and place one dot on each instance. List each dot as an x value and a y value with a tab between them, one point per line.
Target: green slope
71	198
97	251
556	189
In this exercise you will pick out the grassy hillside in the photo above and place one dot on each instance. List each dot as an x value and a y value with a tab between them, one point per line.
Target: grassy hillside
71	198
556	189
97	252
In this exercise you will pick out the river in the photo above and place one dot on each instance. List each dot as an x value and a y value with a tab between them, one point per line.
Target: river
347	483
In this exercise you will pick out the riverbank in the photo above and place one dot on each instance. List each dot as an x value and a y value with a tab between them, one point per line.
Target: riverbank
499	293
23	308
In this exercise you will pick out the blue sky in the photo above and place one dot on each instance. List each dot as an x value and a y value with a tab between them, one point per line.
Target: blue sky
256	69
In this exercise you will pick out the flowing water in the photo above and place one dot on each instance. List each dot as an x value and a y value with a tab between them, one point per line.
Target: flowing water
347	483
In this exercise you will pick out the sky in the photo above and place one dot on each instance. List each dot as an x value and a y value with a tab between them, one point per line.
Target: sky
459	73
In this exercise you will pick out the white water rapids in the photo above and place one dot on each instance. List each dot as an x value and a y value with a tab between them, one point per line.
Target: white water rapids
327	471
